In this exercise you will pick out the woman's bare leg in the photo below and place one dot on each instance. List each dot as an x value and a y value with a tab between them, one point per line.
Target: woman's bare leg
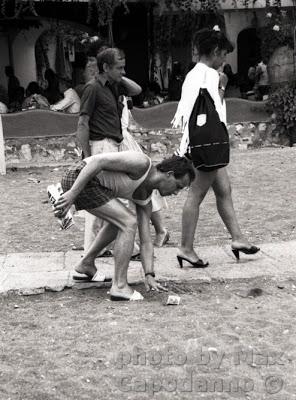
197	192
222	190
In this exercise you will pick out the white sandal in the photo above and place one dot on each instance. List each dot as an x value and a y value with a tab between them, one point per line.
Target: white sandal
98	277
136	296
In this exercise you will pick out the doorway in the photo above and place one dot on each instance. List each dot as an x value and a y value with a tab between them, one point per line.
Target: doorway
248	53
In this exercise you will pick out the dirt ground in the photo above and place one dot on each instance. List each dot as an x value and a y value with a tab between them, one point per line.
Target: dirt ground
226	340
263	193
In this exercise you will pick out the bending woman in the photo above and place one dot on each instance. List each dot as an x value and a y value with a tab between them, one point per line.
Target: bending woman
206	137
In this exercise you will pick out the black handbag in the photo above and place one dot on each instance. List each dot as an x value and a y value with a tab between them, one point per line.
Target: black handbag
208	136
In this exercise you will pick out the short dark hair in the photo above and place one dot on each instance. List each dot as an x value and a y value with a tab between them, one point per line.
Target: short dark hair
33	88
180	166
206	40
108	56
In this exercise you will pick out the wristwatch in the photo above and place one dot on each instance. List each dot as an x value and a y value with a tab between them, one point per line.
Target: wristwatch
150	273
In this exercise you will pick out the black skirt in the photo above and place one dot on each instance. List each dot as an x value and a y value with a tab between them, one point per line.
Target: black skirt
208	136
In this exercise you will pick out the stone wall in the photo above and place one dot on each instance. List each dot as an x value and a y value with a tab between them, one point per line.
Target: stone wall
40	151
157	143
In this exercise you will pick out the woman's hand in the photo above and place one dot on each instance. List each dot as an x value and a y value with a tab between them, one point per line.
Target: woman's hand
152	284
63	204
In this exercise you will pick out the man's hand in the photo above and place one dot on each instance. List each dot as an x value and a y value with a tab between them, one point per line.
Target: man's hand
63	204
223	80
151	284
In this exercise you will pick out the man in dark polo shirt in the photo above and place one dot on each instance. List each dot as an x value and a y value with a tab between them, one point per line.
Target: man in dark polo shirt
99	124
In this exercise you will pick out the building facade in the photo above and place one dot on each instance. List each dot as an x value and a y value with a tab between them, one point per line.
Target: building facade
149	52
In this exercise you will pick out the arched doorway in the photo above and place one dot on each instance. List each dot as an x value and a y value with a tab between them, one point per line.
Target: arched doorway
248	53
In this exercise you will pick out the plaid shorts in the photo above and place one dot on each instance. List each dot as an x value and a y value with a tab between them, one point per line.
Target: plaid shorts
92	196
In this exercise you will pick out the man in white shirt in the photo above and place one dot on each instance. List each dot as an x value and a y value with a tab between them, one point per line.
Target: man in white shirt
71	101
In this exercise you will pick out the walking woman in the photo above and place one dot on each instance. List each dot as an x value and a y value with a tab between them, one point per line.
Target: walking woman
202	117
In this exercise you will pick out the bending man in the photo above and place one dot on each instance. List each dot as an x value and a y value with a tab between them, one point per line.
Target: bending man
95	183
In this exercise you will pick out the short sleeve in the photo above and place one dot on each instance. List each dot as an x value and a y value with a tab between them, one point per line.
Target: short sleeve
88	100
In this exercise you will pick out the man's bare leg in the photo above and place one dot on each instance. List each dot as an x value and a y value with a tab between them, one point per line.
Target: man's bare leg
105	236
92	227
123	249
122	225
92	223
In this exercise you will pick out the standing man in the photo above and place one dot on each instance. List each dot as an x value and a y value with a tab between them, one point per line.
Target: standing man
262	80
99	124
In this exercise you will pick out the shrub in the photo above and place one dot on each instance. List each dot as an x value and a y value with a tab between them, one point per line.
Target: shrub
282	103
276	32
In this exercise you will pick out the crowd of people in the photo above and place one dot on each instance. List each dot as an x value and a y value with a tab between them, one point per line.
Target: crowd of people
57	95
119	187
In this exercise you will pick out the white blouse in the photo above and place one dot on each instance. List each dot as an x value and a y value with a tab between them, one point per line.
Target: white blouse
201	76
70	103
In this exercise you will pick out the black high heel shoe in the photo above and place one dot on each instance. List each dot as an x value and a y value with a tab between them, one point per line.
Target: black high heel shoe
196	264
245	250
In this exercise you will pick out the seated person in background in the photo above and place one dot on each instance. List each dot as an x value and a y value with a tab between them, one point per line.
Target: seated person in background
3	108
52	92
71	101
3	100
152	95
247	81
251	76
16	105
34	98
175	82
